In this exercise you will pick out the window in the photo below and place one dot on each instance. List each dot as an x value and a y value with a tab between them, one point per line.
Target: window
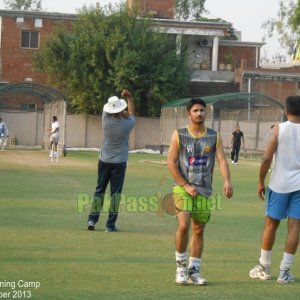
20	20
27	107
38	23
30	39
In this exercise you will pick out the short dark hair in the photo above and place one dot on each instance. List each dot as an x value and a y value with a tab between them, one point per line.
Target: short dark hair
194	101
54	118
292	105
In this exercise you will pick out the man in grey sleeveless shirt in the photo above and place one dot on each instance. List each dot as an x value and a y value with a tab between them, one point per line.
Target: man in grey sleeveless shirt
117	123
191	160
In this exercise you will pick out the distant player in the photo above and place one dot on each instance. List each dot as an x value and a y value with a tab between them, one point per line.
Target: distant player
54	137
283	192
236	141
3	134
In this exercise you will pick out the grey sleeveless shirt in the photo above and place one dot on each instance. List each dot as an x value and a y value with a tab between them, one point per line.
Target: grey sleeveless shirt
197	158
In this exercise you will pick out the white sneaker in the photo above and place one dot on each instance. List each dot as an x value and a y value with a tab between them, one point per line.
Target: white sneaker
232	162
261	272
181	276
91	225
196	278
236	163
285	277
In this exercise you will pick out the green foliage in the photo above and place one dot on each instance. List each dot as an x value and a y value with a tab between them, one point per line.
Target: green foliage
33	5
189	9
295	20
285	24
107	51
231	30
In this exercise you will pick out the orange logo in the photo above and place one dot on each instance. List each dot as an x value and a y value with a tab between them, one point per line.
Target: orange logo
207	149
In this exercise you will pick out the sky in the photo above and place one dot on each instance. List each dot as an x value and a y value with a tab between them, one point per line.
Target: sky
247	16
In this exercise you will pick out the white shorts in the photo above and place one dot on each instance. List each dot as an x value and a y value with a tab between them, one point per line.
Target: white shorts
54	139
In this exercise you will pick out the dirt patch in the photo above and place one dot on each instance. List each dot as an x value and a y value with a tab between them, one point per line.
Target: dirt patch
40	159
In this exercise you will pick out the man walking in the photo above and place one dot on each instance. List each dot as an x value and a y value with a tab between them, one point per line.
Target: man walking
283	192
237	137
191	159
117	123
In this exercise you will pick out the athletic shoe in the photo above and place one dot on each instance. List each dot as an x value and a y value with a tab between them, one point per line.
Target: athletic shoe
91	225
285	276
181	276
232	162
108	229
236	163
261	272
195	277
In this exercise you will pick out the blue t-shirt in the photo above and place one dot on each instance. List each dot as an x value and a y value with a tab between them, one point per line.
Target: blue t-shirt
115	133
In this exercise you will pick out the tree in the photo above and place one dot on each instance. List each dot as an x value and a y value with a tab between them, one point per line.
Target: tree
296	17
105	53
34	5
189	9
285	24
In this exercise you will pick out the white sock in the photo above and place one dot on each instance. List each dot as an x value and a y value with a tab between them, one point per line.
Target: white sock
180	257
194	262
287	261
265	258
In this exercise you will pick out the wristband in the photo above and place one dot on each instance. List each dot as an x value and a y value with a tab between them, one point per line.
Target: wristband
184	184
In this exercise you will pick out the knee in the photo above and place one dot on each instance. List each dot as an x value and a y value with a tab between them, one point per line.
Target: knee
199	231
183	228
271	225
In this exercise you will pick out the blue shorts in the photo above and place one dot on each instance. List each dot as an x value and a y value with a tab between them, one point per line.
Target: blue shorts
280	206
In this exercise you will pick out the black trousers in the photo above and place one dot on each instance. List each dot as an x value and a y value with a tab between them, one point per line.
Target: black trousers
235	153
113	173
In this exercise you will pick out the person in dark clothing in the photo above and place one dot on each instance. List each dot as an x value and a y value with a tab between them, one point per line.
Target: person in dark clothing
237	138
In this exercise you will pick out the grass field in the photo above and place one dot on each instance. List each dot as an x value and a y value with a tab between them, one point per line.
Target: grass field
44	241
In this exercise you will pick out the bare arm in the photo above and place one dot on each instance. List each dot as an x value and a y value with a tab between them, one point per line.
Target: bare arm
267	160
130	104
173	155
224	169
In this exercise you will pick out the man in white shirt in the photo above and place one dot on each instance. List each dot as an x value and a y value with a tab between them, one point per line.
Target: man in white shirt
283	192
54	137
3	134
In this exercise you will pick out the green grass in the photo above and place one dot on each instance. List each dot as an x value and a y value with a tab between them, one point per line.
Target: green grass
43	238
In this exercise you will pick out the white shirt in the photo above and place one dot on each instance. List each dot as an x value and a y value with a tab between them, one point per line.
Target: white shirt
54	126
3	130
285	177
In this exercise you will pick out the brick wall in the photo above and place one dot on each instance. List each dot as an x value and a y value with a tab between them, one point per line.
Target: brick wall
18	100
17	61
238	54
276	89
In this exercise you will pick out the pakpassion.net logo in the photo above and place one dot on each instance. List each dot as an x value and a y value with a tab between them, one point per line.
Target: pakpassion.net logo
157	203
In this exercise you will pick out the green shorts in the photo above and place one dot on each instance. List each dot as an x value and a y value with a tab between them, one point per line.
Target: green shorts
197	206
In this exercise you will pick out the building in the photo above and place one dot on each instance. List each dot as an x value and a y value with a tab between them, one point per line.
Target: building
216	65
